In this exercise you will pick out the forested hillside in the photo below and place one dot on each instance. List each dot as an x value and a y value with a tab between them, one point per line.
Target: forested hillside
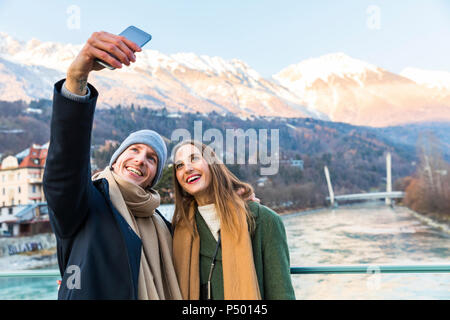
354	155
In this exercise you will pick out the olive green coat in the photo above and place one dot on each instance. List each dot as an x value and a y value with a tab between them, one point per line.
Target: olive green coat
270	254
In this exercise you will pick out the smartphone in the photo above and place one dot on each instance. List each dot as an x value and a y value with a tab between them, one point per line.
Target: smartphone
131	33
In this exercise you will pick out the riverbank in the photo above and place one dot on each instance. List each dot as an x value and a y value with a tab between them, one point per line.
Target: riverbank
437	217
37	260
433	220
23	253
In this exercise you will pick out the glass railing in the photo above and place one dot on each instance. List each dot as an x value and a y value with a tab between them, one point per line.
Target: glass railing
330	269
352	269
43	284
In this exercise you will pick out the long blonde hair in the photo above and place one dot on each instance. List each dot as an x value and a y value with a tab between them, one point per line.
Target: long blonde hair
224	185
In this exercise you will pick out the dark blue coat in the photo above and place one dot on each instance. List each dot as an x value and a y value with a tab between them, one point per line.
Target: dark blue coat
98	252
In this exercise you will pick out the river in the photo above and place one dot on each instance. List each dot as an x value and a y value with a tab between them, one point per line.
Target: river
369	234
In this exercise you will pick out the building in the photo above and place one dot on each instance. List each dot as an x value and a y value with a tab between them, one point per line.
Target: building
25	220
297	163
261	182
22	202
293	163
8	219
21	177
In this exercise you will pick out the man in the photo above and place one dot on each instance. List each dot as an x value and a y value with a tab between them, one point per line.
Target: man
111	241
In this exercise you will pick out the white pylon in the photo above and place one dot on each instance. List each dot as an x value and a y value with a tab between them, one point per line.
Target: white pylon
330	187
388	177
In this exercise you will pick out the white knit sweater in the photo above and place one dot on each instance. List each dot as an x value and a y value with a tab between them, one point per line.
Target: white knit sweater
211	217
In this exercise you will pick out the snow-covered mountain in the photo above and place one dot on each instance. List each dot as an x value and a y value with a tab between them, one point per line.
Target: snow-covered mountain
353	91
332	87
180	82
428	78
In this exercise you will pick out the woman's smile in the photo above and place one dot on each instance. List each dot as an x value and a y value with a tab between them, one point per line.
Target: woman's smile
193	178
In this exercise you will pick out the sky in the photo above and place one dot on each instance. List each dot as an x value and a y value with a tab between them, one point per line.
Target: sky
268	35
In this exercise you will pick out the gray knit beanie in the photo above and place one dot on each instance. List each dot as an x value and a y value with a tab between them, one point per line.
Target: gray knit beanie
151	139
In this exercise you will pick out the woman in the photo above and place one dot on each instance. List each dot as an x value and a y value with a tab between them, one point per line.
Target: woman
224	248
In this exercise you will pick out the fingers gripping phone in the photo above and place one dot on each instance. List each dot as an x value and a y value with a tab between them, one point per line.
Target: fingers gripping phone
131	33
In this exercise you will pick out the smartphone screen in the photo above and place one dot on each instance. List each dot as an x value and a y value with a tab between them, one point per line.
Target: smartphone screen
134	34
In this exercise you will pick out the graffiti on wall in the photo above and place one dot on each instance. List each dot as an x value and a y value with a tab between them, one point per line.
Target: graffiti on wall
24	247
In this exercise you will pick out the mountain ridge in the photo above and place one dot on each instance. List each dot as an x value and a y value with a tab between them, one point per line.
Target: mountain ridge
332	87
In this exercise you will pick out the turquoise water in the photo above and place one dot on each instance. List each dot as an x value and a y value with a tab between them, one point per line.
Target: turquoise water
29	288
348	235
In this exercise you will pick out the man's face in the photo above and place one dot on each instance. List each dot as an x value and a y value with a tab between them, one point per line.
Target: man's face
137	164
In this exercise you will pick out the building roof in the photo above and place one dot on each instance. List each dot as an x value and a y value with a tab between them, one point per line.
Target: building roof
35	159
27	212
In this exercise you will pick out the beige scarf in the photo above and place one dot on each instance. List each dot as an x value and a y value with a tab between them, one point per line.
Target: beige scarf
157	278
239	276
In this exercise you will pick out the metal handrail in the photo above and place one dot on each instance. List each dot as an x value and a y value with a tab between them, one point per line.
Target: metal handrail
30	273
370	269
327	269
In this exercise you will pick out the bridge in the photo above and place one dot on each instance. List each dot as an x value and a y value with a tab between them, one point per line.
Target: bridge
370	196
388	195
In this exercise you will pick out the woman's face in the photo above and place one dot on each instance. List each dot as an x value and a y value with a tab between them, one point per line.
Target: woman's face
192	172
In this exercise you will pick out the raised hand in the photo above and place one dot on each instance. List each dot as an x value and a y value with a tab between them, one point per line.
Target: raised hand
112	49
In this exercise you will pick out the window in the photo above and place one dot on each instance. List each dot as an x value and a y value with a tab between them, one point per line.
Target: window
18	189
33	189
10	210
